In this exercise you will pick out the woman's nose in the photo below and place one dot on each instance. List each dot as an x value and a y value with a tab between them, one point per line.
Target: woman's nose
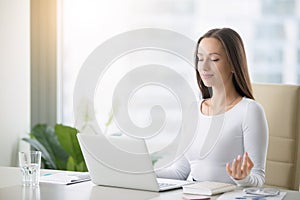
204	65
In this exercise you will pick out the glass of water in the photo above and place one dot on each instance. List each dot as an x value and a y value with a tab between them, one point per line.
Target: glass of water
30	164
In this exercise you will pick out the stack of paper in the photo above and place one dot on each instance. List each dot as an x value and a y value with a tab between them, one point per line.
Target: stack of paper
65	178
239	194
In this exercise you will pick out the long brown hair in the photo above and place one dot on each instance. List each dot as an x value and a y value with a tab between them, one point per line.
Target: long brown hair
235	52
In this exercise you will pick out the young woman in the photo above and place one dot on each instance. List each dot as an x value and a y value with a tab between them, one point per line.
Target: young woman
232	135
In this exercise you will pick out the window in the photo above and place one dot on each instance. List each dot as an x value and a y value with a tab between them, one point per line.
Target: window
270	30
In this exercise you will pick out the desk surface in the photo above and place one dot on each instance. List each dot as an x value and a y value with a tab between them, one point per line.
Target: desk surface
10	188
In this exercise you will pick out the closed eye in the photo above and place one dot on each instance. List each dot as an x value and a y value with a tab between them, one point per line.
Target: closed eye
200	58
214	59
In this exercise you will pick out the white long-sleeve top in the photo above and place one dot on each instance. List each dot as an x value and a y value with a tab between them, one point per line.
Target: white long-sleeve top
219	140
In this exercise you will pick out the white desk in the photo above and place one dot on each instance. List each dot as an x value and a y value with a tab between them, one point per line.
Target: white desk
10	188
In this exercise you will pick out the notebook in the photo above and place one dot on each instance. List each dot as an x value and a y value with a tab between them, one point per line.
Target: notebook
122	162
208	188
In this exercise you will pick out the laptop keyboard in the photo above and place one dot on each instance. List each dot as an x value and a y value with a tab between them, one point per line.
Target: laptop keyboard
164	185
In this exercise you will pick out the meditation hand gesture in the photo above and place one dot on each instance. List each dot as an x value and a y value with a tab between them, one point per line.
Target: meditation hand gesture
240	167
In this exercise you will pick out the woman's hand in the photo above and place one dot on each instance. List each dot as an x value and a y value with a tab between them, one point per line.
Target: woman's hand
240	167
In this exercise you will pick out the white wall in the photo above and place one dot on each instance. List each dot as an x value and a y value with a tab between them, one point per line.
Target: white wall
14	77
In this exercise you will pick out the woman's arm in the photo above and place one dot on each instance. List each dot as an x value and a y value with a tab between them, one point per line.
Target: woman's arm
250	169
179	170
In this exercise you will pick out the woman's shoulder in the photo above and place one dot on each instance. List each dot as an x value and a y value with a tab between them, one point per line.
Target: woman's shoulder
252	105
247	100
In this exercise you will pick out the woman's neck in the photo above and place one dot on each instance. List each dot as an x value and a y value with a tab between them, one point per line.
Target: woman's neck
223	99
224	95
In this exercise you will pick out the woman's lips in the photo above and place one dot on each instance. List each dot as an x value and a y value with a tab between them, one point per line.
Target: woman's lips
206	76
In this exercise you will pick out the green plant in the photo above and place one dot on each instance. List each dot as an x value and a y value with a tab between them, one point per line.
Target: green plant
59	146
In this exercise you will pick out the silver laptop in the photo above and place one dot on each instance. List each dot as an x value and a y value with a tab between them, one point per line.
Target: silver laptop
122	162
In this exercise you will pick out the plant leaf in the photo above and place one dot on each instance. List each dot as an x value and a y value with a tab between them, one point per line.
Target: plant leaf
68	140
110	118
48	161
82	167
71	164
47	137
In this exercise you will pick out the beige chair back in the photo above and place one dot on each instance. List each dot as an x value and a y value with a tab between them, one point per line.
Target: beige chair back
282	106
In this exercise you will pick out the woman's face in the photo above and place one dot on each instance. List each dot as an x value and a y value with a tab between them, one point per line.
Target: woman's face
213	65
